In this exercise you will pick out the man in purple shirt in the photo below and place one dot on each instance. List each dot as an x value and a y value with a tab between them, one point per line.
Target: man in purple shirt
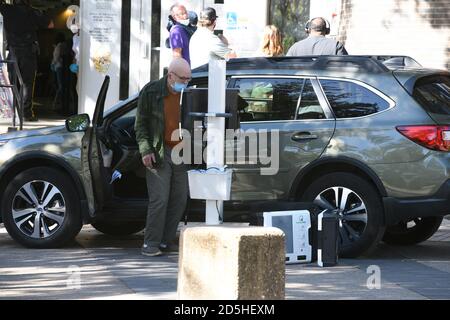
179	37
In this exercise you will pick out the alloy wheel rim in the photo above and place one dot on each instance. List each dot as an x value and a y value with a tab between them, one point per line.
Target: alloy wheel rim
38	209
351	209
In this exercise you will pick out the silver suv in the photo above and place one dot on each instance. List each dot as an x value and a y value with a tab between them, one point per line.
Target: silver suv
363	135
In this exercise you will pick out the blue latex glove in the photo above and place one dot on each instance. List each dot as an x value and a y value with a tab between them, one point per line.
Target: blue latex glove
74	68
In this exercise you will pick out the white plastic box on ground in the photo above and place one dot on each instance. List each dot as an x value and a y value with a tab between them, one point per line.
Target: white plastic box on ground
210	184
296	225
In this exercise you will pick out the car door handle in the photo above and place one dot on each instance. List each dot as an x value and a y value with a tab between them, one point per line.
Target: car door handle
303	136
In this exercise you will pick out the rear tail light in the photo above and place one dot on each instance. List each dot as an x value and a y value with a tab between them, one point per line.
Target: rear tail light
431	137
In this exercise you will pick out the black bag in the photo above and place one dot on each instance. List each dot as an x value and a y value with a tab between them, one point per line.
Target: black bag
327	238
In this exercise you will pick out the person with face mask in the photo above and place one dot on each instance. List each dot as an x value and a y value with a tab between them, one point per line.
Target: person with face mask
71	56
190	29
157	117
204	44
74	68
179	33
75	47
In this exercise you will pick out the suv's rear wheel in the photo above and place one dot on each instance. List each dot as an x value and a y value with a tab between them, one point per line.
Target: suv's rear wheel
114	228
412	232
359	207
41	208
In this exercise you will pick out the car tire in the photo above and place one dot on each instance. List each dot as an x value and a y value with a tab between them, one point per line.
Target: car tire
46	198
361	220
412	232
119	228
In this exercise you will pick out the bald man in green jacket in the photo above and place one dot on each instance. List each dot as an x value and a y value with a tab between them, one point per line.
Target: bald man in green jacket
157	117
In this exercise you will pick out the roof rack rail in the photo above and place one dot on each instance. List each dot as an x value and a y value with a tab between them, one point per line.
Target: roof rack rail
397	61
354	63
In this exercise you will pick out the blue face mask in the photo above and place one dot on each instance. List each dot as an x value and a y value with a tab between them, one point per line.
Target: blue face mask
179	87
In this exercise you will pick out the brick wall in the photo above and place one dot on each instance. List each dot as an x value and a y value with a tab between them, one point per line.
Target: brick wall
418	28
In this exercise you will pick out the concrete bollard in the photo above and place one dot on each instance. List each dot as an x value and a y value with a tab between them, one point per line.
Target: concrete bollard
231	263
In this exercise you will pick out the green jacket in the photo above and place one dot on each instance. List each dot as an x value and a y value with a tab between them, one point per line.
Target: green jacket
149	125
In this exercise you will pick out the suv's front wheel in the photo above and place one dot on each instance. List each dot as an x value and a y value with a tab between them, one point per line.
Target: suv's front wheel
359	206
41	208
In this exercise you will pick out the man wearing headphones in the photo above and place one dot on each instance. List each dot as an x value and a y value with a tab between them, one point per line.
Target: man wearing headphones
317	44
21	25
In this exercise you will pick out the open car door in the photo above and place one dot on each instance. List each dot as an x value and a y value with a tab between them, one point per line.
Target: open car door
93	171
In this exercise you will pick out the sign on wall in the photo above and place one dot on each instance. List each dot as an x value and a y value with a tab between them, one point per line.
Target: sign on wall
244	23
100	24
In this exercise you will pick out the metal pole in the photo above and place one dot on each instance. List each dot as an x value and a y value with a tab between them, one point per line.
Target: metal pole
215	131
20	97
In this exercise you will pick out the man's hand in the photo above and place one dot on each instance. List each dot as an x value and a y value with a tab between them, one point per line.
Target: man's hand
230	55
149	160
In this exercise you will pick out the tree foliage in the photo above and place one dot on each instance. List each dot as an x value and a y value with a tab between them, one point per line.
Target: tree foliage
290	16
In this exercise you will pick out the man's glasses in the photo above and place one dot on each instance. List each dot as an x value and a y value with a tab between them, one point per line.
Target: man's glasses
184	79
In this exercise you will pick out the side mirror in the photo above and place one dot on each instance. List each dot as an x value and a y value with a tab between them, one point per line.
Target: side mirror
78	123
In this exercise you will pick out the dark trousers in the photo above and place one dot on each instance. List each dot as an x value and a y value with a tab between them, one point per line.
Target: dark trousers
70	97
27	61
59	88
168	191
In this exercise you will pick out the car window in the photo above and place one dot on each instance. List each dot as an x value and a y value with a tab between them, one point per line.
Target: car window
129	114
127	119
122	127
199	83
309	107
434	94
269	99
350	100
